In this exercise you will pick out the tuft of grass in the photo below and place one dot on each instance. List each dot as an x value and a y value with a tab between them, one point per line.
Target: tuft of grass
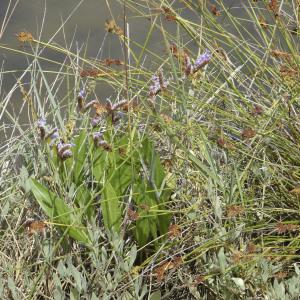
226	136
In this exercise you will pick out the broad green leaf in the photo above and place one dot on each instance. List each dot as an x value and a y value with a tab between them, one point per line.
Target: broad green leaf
157	172
58	211
147	221
155	296
158	176
157	188
74	294
83	199
132	257
120	172
121	178
99	160
142	231
111	209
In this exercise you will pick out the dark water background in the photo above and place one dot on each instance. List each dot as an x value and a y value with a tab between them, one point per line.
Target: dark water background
86	25
86	28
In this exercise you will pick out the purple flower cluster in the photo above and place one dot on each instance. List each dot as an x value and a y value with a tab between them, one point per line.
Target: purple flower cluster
81	99
200	62
159	84
96	120
81	93
64	151
89	105
108	108
42	122
100	142
52	135
118	105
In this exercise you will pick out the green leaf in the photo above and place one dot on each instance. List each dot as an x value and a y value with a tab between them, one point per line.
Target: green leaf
239	282
157	173
121	178
99	163
222	260
58	211
111	210
147	221
157	183
155	296
142	231
83	200
132	256
79	156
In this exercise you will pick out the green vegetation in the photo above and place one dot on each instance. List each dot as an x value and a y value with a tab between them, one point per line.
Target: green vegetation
183	185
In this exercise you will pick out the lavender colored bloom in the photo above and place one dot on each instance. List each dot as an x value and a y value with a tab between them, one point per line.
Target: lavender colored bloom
202	60
155	80
159	83
81	100
52	135
63	150
81	93
41	122
62	146
97	136
154	89
104	145
96	120
162	82
100	142
66	154
119	115
118	104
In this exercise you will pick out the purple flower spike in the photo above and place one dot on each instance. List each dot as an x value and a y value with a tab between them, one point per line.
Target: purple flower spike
63	150
100	142
89	105
97	136
81	93
52	135
66	154
81	100
41	123
118	104
159	83
96	121
202	60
